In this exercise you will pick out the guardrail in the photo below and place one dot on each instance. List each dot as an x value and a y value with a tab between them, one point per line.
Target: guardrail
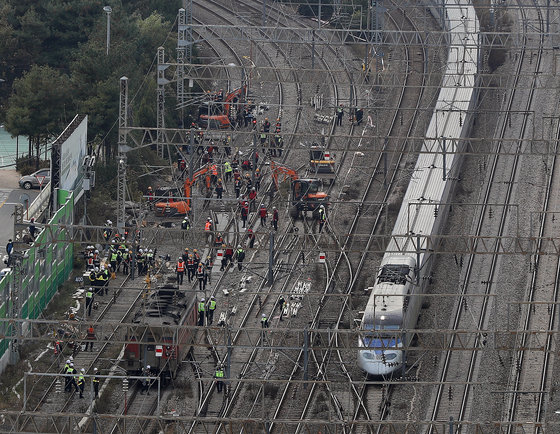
40	203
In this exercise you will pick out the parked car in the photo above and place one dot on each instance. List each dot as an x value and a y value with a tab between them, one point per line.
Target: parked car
35	180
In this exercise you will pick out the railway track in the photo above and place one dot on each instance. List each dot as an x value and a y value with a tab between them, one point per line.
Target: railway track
353	280
260	390
454	365
252	303
119	303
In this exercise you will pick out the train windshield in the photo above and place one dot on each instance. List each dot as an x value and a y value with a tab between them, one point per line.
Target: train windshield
394	274
379	344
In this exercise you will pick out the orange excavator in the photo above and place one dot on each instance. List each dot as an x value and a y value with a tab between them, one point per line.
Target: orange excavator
305	191
173	207
217	114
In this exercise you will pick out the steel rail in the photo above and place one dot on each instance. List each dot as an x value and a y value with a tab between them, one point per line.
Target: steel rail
470	264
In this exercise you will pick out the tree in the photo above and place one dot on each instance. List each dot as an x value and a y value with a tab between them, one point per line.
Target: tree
38	105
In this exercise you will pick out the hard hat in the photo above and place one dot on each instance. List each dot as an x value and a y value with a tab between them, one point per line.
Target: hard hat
82	370
263	315
274	207
257	170
91	255
239	246
202	299
186	248
96	269
212	298
94	369
194	250
151	251
109	222
208	257
148	367
68	361
179	258
102	267
210	220
141	251
149	188
96	251
72	365
219	179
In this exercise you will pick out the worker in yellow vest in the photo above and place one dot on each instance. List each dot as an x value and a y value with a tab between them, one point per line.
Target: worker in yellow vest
201	310
219	376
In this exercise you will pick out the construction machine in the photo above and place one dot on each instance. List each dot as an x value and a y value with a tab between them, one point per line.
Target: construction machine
218	114
305	192
322	163
172	206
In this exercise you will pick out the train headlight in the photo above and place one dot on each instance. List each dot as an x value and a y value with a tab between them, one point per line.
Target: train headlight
390	356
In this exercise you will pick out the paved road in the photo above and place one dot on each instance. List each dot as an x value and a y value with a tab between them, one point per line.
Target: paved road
10	193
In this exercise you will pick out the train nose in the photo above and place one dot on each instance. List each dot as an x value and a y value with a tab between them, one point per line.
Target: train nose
379	363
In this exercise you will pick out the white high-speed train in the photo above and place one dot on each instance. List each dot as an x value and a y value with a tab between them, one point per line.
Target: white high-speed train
392	305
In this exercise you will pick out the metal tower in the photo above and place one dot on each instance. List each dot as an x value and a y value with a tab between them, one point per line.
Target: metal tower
122	148
161	82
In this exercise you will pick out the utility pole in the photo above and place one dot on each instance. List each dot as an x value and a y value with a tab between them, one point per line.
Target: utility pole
122	149
108	10
161	82
191	173
270	278
184	53
16	331
254	159
181	48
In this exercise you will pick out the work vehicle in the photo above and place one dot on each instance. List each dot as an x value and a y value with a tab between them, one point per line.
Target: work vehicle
218	114
161	342
179	206
305	192
37	179
322	163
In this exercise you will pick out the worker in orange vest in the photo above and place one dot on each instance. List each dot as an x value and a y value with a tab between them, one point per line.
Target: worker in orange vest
180	269
191	268
201	276
214	176
208	230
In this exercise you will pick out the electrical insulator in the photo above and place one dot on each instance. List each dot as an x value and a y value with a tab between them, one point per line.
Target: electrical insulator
125	385
436	211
